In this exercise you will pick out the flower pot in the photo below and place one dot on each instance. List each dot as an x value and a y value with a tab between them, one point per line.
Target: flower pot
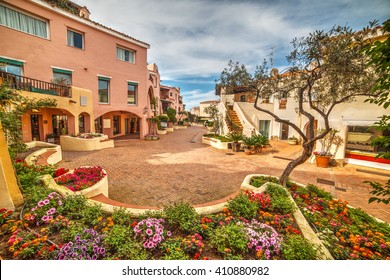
248	151
322	161
292	142
148	137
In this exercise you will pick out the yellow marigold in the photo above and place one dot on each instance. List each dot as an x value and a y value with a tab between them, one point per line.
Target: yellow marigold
11	249
259	254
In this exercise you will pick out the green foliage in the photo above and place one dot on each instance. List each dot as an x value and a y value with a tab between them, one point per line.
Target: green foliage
318	192
69	233
360	217
379	54
183	216
249	142
280	200
296	247
260	140
73	206
29	174
91	214
258	181
171	113
234	136
381	192
131	250
116	237
173	251
216	136
121	216
241	206
230	239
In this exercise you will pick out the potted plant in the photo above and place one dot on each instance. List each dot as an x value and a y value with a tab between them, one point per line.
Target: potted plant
260	141
162	123
248	146
323	157
292	140
50	138
235	137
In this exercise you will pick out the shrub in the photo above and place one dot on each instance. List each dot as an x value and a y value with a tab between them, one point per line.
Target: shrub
90	215
72	206
183	216
173	251
69	233
230	239
280	200
258	181
318	192
29	174
121	216
116	237
132	250
296	247
242	206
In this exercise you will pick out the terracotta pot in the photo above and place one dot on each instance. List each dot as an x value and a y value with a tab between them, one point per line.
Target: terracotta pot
236	146
322	161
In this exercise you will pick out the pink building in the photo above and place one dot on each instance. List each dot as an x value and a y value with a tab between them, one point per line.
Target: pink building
61	45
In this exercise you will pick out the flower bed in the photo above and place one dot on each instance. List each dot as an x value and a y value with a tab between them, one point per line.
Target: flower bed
348	233
87	181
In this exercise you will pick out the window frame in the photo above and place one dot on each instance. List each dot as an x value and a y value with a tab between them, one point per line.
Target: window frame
63	72
45	21
135	85
104	79
128	50
74	31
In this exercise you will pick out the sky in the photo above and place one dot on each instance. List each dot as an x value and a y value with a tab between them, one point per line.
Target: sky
192	41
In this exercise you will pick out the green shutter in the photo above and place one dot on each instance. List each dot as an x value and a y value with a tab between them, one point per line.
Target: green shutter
10	61
132	84
103	78
62	71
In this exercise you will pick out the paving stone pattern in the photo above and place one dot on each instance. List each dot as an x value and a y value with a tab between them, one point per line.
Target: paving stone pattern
178	167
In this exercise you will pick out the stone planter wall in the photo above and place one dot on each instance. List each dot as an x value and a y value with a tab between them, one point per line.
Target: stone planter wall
69	143
54	158
215	143
161	132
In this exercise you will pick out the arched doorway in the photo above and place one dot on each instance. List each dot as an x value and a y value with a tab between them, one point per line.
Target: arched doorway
84	121
119	124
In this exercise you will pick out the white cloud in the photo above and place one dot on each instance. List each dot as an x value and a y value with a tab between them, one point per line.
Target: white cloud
196	38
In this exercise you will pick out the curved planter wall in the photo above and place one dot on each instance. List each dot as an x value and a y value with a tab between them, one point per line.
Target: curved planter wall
54	157
100	187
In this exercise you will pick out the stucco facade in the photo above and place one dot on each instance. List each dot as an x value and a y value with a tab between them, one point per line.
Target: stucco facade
90	56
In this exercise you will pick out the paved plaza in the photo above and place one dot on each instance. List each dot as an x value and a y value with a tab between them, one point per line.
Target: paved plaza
178	167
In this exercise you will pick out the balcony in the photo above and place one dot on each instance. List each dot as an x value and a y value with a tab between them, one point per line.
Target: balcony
32	85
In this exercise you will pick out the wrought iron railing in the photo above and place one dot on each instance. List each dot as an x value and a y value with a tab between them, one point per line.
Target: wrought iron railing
32	85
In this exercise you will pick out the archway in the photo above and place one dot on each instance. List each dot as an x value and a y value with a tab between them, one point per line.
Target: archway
124	124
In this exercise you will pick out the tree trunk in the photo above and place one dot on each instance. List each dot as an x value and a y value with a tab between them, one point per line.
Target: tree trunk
306	153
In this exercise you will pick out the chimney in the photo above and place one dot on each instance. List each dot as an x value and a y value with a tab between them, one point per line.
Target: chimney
84	13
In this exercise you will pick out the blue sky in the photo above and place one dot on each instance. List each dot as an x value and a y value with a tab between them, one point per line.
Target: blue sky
193	40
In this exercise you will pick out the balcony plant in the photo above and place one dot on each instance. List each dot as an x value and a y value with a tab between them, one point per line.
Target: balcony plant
235	137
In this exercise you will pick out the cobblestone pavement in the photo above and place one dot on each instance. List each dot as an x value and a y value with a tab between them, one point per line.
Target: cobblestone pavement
178	167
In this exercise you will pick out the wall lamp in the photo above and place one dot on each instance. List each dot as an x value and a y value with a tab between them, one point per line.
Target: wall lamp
146	110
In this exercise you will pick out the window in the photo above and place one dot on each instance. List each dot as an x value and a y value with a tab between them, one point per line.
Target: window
104	89
62	77
125	55
264	127
75	39
11	66
132	93
22	22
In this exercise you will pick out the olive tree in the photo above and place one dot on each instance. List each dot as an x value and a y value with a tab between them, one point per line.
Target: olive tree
326	68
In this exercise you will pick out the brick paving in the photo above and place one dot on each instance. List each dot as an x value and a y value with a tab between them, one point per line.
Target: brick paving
178	167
